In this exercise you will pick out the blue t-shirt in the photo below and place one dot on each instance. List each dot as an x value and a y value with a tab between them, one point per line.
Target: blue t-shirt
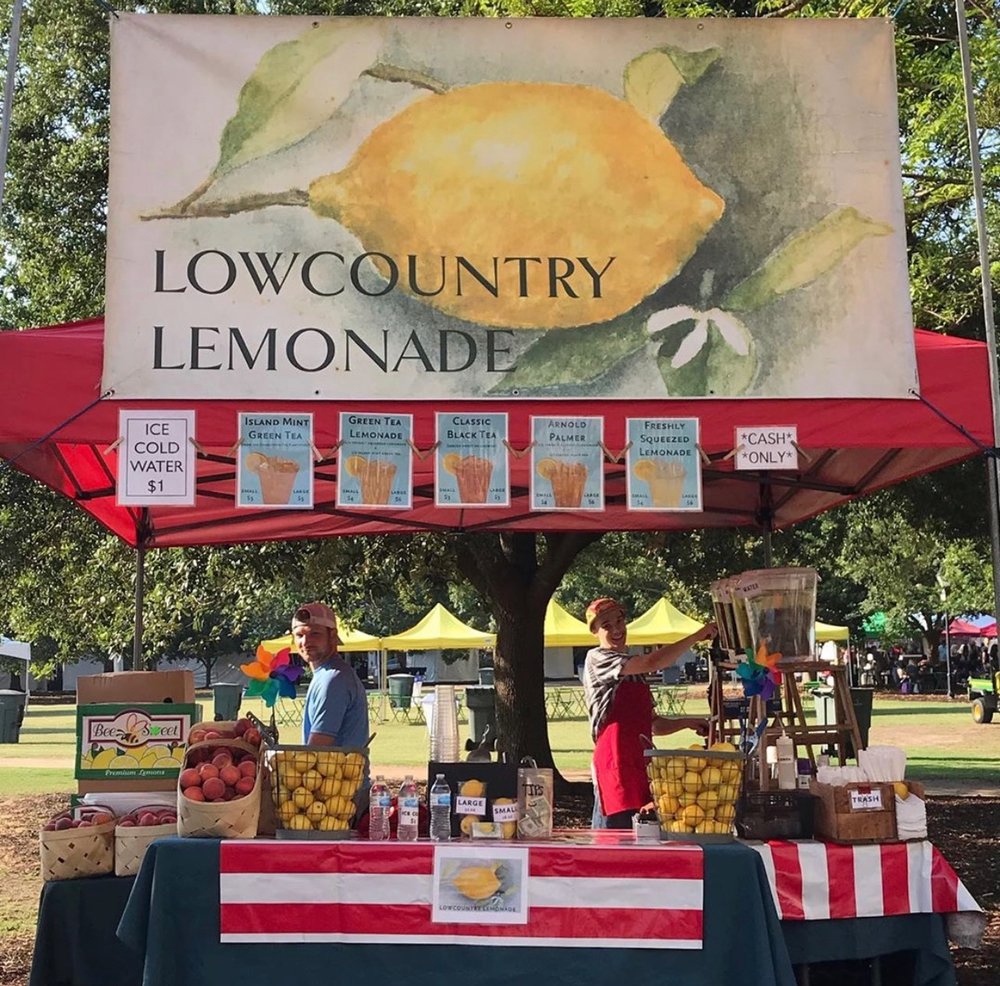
336	704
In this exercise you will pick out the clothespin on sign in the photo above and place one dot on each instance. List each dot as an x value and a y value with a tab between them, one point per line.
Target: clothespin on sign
317	455
427	453
805	455
198	447
614	456
114	445
232	451
518	453
732	452
705	459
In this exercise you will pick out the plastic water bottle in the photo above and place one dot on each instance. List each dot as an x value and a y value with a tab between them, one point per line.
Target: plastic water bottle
379	803
408	809
440	810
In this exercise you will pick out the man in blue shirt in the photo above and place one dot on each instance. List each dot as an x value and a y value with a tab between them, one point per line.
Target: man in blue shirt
336	710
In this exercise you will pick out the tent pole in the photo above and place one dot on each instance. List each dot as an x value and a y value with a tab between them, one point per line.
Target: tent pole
383	685
987	287
140	586
13	43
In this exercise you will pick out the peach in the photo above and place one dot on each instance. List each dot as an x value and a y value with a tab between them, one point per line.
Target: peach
248	768
208	770
126	823
212	734
213	788
242	726
222	759
245	785
102	818
190	778
230	794
148	818
229	775
196	736
64	823
252	736
194	794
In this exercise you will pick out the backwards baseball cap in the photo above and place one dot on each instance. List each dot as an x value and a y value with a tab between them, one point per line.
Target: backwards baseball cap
599	607
314	615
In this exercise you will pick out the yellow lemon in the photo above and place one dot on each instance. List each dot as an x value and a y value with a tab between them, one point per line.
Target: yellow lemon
691	781
302	797
516	165
728	793
711	777
316	811
312	779
299	822
330	764
693	815
290	778
472	789
467	822
304	760
328	824
667	806
675	767
677	826
723	747
283	795
329	787
725	813
287	811
901	789
708	799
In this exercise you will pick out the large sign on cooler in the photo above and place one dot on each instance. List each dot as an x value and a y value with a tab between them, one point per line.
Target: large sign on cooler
372	208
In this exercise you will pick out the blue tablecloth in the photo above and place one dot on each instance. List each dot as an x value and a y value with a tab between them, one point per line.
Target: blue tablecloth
169	936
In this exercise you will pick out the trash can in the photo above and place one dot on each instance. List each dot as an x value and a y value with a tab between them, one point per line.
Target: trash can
227	701
11	714
486	676
826	712
481	703
400	690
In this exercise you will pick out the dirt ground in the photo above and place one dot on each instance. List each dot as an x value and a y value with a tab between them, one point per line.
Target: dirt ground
967	830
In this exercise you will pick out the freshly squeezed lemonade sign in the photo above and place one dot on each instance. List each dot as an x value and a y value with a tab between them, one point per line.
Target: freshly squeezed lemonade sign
482	208
664	464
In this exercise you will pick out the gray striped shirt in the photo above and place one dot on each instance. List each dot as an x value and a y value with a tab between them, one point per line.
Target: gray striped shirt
602	671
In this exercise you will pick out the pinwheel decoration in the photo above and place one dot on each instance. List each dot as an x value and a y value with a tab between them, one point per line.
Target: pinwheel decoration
272	675
759	673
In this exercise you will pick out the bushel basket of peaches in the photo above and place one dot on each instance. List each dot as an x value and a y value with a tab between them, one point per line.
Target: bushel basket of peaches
218	792
78	842
315	790
695	791
136	830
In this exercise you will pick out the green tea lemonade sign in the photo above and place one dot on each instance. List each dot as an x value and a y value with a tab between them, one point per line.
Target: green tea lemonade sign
663	464
375	461
471	461
433	209
275	461
156	459
567	463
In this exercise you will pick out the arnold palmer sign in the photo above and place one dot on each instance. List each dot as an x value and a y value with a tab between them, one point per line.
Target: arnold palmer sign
482	208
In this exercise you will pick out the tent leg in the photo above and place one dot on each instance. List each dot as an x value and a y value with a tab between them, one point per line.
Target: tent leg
383	686
140	588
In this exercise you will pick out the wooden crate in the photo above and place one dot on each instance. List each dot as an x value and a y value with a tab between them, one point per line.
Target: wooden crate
855	813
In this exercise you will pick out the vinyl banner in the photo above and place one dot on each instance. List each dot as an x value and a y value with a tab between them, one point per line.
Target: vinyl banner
480	208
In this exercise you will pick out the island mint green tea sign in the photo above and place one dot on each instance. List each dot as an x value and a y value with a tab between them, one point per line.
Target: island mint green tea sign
433	209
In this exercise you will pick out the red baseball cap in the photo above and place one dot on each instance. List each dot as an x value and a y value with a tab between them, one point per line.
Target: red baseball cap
599	607
314	615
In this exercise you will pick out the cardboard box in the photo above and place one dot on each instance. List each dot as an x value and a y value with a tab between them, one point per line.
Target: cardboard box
145	687
855	813
131	746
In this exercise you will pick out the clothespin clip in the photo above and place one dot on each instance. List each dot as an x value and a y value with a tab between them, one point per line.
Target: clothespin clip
732	452
198	447
805	455
114	445
427	453
232	451
317	455
518	453
612	456
705	458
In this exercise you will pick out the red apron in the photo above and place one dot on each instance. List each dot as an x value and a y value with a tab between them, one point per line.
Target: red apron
619	764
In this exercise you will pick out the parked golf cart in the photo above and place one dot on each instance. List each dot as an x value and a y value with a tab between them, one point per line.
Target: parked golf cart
983	695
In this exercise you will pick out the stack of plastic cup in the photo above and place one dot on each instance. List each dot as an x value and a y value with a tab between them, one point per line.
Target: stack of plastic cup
444	734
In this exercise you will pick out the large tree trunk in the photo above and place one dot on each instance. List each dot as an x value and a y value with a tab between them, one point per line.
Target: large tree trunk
518	585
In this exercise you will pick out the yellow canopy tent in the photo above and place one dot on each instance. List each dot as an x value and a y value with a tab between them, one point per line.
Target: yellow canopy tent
662	623
350	640
826	631
439	630
562	629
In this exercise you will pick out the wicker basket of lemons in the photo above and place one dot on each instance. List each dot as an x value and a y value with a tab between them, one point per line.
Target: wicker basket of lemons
695	791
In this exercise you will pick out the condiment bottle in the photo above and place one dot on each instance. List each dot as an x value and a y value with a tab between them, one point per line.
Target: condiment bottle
786	762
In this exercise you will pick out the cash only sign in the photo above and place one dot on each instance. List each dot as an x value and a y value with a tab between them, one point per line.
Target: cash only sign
392	208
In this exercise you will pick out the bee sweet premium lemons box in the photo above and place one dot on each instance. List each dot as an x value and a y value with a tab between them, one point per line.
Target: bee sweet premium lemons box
131	746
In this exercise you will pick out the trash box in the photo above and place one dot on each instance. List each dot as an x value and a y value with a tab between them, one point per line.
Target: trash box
11	714
481	703
227	701
826	712
486	676
400	690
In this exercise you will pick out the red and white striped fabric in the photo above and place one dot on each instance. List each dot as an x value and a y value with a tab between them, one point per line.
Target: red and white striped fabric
578	896
815	881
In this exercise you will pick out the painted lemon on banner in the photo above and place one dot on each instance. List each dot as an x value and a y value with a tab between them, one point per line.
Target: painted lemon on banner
478	182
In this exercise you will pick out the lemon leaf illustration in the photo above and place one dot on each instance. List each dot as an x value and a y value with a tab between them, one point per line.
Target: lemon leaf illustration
708	363
295	88
653	78
569	360
803	258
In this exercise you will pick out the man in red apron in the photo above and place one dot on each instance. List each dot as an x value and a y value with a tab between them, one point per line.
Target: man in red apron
622	714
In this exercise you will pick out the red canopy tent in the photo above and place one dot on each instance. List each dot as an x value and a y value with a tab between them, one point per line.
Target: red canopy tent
960	628
56	426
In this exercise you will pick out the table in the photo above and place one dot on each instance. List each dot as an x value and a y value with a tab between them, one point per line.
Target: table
169	934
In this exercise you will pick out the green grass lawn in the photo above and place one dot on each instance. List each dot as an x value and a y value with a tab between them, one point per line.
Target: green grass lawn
942	743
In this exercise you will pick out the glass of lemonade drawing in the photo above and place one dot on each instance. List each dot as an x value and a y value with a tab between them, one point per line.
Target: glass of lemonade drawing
276	475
